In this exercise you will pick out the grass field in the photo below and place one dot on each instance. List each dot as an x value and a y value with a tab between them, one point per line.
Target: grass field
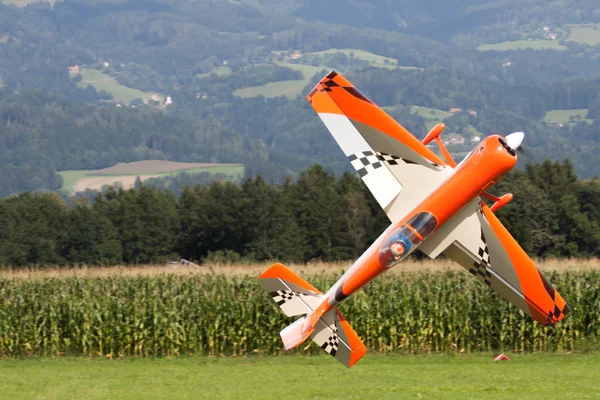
289	89
523	44
299	377
563	116
585	33
219	71
3	39
101	81
373	59
127	173
430	113
292	89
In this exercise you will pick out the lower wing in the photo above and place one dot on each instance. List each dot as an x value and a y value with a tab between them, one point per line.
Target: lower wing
476	239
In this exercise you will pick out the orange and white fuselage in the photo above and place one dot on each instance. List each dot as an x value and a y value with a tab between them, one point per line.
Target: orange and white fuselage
434	205
481	169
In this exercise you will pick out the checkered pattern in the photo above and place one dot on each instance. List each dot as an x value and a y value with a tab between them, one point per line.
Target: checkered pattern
388	158
557	313
365	162
328	82
481	268
283	296
331	344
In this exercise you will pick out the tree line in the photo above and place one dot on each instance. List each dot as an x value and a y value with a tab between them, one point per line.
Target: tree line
317	217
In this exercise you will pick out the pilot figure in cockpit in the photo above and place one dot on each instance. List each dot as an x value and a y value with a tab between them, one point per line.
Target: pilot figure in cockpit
398	249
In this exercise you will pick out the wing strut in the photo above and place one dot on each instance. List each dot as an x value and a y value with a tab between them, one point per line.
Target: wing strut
435	133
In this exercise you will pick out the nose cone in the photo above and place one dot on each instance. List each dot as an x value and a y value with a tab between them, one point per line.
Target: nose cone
514	140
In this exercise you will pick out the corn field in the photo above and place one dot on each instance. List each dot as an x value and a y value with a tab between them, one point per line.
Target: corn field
216	314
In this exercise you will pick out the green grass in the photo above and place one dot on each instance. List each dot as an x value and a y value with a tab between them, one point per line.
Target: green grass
374	59
101	81
430	113
71	177
585	33
361	55
289	89
219	71
523	44
293	88
296	377
563	116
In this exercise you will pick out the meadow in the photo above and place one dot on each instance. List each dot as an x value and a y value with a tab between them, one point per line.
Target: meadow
445	377
126	174
290	89
293	88
585	33
523	44
564	116
120	93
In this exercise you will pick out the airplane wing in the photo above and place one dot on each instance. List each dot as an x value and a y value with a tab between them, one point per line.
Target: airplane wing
396	167
476	239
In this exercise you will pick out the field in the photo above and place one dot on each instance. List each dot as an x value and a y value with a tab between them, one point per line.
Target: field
127	173
585	33
219	71
523	44
153	332
430	113
289	89
3	39
292	89
374	377
120	93
564	116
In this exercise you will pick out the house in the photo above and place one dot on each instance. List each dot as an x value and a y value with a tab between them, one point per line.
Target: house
457	140
168	101
455	110
295	56
507	64
74	69
473	113
476	139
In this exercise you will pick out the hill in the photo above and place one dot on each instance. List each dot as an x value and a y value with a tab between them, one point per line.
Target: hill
236	72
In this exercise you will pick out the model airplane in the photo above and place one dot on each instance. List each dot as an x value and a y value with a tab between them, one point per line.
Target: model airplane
433	204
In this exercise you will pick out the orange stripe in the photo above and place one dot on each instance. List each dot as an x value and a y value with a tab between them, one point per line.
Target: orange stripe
369	114
539	301
280	271
417	234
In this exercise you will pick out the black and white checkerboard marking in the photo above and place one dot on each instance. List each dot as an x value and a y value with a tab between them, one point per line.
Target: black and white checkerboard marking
331	344
368	161
481	268
365	162
389	159
283	296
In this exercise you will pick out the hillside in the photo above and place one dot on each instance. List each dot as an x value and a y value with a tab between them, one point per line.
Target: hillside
216	81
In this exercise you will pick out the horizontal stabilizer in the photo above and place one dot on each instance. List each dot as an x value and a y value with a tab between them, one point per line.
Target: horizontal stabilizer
296	297
337	338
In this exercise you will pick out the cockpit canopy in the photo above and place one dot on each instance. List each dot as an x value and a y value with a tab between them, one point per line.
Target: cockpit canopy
405	239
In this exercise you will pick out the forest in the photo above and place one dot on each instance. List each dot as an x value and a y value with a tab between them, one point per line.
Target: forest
316	217
199	53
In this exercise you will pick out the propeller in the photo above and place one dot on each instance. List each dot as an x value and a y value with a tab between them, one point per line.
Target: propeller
515	142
